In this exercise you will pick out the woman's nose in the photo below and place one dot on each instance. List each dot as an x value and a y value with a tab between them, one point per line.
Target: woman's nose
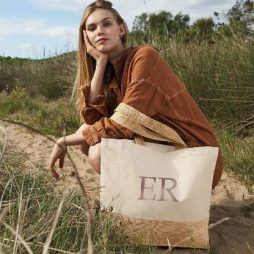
100	30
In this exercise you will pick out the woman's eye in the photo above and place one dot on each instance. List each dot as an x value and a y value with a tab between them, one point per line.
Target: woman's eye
91	28
107	24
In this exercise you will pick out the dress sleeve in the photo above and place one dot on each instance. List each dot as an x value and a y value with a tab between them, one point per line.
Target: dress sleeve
92	113
141	93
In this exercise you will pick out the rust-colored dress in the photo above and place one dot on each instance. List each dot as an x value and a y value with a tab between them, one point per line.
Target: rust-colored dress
146	82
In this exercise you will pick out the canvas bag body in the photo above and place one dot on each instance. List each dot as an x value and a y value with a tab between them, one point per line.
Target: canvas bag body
161	195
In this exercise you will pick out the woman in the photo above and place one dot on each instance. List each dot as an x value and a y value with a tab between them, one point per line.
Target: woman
110	73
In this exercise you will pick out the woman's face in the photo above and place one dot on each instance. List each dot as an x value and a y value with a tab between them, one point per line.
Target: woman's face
103	31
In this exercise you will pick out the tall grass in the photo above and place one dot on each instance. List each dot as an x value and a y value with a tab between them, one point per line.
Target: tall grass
31	203
238	156
51	77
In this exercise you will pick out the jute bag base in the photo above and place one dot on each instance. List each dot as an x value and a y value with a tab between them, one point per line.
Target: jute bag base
162	233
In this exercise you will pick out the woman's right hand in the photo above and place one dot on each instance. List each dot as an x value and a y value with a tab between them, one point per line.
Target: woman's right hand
92	51
58	153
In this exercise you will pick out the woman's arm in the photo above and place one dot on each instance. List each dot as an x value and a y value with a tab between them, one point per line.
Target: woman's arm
97	80
93	103
60	148
101	61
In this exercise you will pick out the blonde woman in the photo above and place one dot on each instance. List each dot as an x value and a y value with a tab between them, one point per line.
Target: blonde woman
109	72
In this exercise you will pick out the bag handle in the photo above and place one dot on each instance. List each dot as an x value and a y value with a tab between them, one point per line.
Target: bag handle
139	140
145	126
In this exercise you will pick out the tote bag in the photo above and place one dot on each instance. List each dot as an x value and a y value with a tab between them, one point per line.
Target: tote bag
161	194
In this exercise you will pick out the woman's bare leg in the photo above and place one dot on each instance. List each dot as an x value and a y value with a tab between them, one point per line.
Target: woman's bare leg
94	157
84	147
93	152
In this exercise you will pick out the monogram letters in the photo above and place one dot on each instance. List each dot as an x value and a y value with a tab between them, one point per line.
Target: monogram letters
150	195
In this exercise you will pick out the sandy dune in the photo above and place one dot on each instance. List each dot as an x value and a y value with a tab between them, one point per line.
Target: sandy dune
234	235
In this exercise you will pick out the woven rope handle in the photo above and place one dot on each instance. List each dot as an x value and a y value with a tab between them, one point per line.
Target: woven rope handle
145	126
139	140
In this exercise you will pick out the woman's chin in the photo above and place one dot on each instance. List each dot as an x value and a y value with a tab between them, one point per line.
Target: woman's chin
104	49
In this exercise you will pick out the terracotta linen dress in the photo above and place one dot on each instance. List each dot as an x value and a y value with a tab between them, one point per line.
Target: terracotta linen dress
146	82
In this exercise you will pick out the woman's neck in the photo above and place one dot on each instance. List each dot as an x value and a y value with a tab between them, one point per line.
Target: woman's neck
114	56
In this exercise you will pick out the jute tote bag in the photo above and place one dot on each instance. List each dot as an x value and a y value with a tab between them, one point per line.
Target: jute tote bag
161	194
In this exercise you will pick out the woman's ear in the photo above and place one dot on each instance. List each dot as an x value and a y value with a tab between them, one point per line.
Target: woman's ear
121	30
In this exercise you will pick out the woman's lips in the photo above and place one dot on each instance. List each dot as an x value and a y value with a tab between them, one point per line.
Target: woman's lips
102	40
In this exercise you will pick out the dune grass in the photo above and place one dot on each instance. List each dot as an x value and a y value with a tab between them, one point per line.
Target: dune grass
50	117
28	205
238	156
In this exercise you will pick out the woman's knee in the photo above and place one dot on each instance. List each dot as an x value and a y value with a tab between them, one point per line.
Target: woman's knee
218	170
82	127
94	157
83	147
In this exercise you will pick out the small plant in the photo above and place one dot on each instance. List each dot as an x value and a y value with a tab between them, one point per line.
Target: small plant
247	209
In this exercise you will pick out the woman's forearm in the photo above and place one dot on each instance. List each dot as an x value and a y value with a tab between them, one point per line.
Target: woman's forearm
97	79
73	139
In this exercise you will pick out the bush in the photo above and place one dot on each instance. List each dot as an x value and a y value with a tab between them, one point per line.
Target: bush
51	119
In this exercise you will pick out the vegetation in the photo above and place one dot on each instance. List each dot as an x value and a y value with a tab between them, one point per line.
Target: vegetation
240	21
215	61
29	204
51	78
20	106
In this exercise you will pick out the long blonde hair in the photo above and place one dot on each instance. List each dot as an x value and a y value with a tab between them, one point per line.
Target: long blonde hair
86	64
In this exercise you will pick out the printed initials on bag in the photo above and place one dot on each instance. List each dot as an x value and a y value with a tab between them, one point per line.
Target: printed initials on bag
170	196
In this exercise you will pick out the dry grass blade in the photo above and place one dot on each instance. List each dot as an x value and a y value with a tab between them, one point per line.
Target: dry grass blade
3	213
5	144
87	209
18	224
249	248
41	244
1	251
218	222
170	247
50	235
58	250
21	240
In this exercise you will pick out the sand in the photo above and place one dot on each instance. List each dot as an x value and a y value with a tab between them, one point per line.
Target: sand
234	233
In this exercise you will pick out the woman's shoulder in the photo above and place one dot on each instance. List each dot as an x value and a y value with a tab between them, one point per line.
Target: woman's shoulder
142	61
146	51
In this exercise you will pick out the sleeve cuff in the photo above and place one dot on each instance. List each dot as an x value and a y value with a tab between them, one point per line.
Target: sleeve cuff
90	135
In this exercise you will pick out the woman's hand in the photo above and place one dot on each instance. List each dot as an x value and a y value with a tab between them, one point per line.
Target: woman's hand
60	149
92	51
58	153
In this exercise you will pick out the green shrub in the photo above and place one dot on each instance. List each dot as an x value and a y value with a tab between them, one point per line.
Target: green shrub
238	156
51	117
